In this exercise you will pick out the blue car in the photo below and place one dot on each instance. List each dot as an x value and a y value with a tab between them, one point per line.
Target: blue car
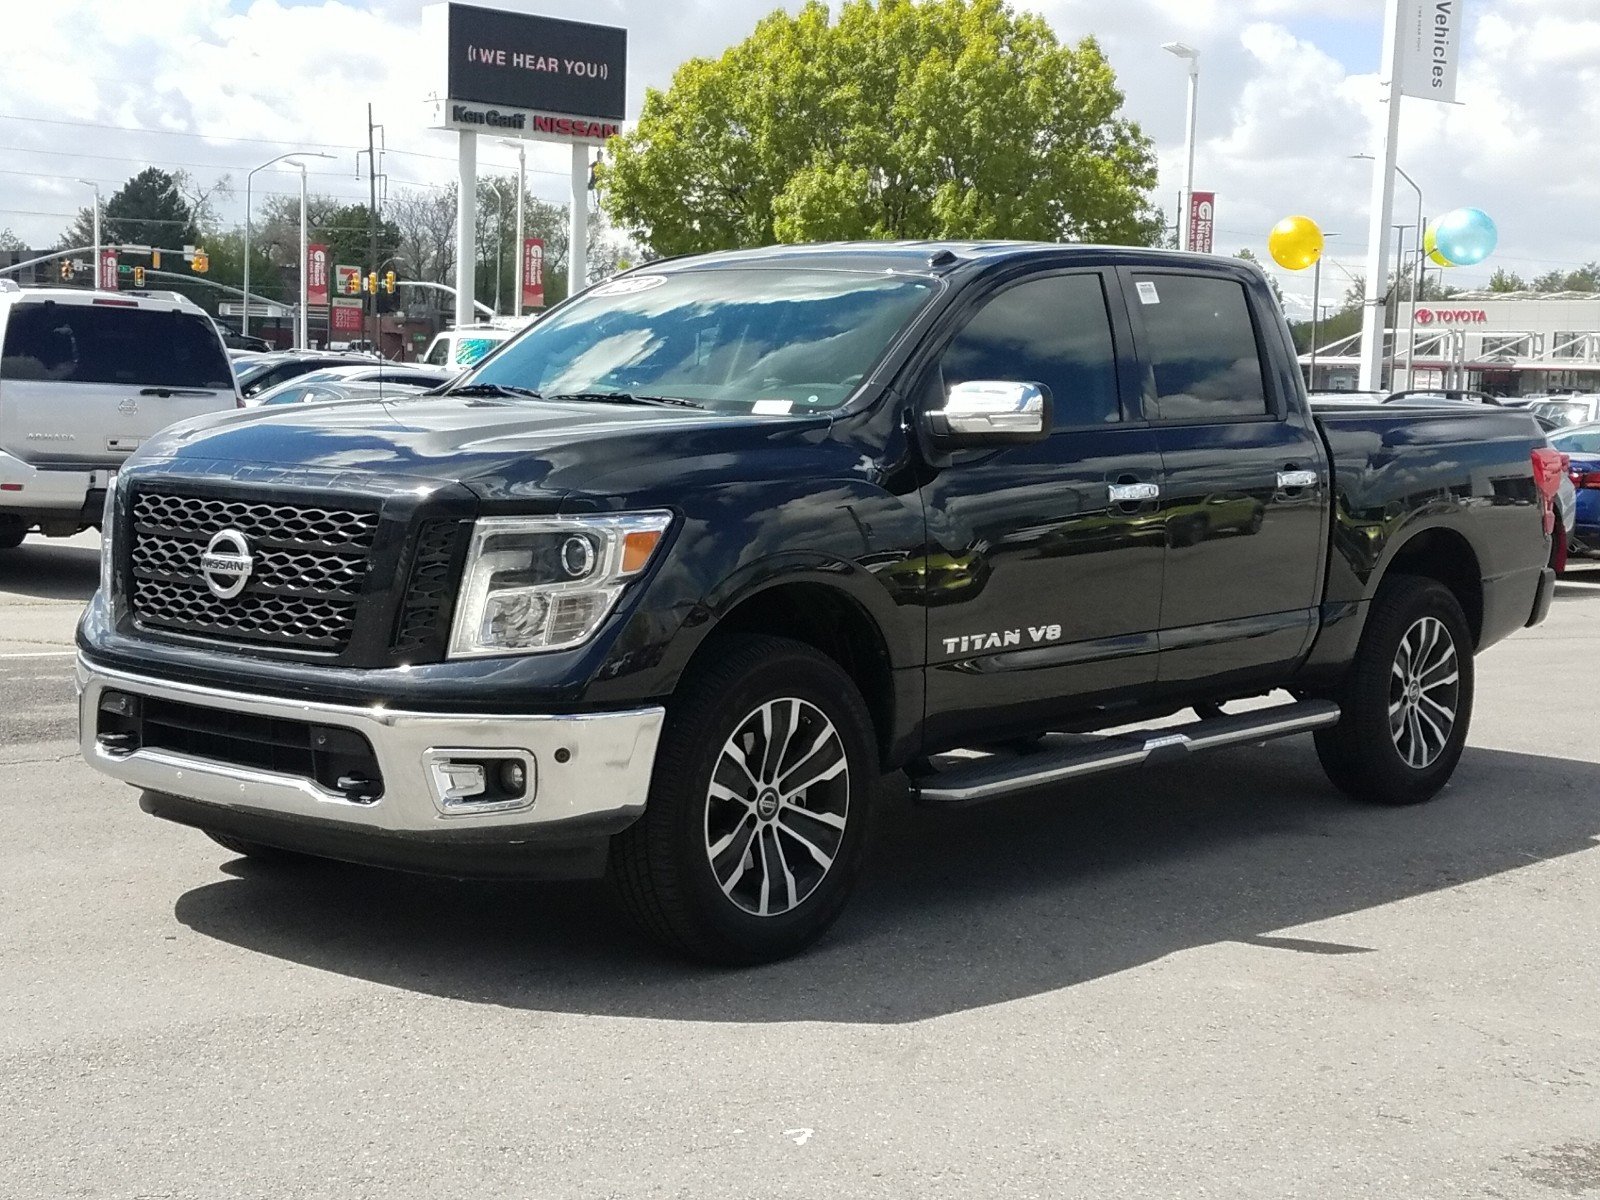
1582	445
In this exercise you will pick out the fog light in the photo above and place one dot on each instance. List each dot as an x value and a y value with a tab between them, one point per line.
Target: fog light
513	777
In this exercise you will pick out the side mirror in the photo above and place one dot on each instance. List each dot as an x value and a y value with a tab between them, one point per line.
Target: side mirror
988	412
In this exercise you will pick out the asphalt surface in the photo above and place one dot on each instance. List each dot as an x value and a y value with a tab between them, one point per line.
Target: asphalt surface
1223	980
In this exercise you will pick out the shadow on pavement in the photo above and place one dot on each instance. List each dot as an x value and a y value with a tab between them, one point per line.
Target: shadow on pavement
958	909
47	571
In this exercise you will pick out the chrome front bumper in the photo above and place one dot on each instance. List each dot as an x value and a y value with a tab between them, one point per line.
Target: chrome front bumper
584	771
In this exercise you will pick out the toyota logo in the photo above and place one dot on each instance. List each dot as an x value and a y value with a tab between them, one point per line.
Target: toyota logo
225	564
1424	316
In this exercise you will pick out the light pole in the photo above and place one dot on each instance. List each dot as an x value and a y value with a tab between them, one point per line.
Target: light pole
96	187
522	187
1411	337
1188	52
244	321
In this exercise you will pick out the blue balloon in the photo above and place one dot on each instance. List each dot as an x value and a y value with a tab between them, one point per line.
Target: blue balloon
1466	236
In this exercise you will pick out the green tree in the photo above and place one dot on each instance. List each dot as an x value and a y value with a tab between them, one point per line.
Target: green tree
1506	281
10	242
149	210
945	119
1249	256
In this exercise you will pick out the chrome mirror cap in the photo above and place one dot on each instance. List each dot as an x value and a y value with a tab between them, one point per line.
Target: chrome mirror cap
994	412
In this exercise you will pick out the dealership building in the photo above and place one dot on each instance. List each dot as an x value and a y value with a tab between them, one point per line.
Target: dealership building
1503	343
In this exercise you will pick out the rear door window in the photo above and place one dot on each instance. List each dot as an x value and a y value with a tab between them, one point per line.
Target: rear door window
78	343
1200	344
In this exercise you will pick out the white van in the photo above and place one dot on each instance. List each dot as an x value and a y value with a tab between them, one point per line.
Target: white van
461	348
85	377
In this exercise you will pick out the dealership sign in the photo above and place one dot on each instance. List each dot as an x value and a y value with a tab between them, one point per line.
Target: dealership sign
1430	44
1202	220
533	273
108	271
1452	316
317	275
528	76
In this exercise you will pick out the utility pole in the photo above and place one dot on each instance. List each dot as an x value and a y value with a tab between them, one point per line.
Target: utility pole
372	229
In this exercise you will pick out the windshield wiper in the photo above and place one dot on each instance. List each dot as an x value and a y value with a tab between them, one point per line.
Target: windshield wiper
490	389
626	398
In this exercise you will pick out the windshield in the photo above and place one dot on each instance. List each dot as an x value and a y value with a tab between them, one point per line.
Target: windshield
1586	442
1563	412
764	341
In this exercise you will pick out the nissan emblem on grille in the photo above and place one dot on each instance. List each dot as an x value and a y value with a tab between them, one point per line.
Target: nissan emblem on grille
226	564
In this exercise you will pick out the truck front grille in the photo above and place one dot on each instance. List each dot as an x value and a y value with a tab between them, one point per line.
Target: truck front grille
307	570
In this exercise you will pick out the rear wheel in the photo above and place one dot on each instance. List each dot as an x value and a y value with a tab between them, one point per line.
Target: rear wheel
1407	703
750	842
12	531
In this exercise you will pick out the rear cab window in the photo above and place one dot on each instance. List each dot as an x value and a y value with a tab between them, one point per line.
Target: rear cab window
1200	347
81	343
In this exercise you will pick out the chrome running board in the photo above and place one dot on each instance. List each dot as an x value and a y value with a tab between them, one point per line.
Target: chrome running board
994	776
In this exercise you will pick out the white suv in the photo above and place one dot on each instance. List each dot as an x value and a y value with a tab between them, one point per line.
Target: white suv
85	377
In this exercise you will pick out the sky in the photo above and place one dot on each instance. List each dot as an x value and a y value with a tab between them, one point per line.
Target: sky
1288	91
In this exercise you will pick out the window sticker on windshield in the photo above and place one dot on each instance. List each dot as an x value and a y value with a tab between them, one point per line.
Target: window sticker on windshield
772	408
1148	293
629	285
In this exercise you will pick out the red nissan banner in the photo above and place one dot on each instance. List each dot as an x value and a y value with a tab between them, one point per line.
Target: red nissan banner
108	271
1202	217
317	275
532	272
345	317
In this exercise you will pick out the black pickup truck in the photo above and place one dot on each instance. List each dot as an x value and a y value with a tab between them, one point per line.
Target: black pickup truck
668	583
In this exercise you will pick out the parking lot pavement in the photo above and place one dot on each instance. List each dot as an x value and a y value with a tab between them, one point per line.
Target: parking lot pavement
1223	980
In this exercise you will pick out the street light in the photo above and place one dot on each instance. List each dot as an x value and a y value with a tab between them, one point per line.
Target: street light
91	183
1411	337
248	179
1184	51
522	186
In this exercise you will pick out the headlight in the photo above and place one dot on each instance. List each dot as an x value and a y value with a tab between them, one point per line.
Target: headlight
108	538
546	583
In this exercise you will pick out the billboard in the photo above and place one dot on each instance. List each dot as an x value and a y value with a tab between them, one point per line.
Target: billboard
345	317
347	280
108	271
533	273
1202	220
540	64
317	275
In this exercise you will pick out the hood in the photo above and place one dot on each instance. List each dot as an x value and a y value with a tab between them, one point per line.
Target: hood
500	448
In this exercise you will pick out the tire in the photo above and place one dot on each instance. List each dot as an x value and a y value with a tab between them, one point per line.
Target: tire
1383	754
256	851
11	533
678	871
1559	548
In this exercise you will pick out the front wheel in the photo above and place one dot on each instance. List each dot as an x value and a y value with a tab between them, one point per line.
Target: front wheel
751	839
1407	702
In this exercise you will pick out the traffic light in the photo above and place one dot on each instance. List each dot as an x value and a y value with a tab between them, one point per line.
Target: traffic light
201	263
67	270
138	277
155	260
388	282
372	282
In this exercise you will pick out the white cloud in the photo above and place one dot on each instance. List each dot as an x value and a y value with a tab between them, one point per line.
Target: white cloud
1279	113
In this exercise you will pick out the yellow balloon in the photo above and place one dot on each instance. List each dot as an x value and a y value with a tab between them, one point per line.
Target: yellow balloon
1295	243
1438	259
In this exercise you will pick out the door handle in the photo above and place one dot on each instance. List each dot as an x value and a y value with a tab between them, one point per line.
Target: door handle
1293	481
1134	493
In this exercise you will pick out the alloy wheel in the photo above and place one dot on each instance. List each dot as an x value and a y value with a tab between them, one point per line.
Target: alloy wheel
1424	693
777	806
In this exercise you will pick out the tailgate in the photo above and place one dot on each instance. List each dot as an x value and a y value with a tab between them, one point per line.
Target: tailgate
86	384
